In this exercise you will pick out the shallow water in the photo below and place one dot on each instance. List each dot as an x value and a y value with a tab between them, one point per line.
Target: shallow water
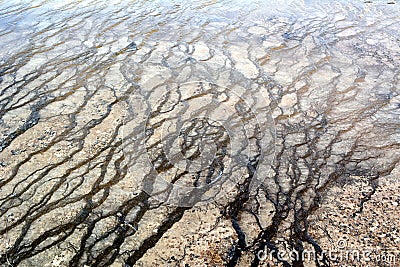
117	117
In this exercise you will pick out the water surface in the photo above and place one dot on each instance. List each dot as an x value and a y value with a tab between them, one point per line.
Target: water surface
117	117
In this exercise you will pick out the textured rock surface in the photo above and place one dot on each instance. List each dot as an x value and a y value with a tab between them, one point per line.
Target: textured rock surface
101	103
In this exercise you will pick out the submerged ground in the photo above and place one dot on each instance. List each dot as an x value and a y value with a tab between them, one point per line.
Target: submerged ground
194	133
